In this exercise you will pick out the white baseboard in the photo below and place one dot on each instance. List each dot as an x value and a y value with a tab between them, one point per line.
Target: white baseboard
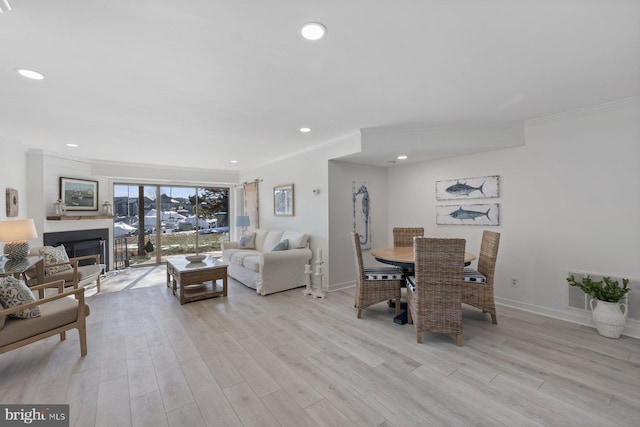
580	317
341	286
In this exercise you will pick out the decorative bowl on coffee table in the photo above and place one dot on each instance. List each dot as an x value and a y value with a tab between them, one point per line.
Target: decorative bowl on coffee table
195	258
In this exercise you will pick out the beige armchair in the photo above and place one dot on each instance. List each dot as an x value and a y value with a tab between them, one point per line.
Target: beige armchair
59	313
77	276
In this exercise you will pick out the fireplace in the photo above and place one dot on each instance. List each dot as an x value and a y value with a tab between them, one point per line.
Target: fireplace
82	242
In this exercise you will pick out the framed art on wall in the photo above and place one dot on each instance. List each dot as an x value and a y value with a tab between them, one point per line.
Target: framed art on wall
12	202
482	187
361	213
479	214
283	200
79	194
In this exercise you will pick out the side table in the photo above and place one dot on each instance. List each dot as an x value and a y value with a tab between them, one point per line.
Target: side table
16	267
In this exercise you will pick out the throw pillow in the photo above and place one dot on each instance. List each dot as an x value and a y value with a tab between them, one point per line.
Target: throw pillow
54	256
14	292
282	245
248	242
296	239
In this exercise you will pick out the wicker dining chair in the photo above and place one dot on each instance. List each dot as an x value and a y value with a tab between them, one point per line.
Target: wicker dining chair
374	284
403	236
435	292
478	292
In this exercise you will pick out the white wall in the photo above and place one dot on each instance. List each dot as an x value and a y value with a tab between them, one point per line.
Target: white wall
341	177
159	174
45	169
569	202
13	174
307	171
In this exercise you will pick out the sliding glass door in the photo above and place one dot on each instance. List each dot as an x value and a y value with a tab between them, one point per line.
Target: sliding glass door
153	222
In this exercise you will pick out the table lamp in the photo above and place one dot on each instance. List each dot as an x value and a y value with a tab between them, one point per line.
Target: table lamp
16	233
243	221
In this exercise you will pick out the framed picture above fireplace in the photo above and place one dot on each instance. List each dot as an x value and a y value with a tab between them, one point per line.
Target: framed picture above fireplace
79	194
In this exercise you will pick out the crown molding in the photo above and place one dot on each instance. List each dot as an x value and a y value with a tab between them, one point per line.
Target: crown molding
586	110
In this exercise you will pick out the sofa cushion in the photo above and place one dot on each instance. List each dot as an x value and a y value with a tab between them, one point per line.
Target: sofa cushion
251	262
54	314
282	245
471	275
382	273
411	283
55	256
67	276
37	250
14	292
296	239
273	237
237	256
260	236
247	242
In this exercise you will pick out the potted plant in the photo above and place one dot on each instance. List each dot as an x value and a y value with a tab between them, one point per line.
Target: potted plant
609	314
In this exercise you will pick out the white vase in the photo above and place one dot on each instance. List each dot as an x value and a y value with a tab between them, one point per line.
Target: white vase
609	317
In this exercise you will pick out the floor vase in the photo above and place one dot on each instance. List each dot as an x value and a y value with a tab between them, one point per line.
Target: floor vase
609	317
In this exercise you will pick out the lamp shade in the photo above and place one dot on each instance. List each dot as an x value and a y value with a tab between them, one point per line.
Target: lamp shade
242	221
20	229
16	233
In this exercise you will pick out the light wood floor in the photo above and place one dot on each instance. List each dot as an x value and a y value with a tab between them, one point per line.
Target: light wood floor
290	360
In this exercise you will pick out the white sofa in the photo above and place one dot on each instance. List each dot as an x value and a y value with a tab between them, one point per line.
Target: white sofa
266	271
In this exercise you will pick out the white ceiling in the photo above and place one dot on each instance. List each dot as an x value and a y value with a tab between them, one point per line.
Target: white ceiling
199	83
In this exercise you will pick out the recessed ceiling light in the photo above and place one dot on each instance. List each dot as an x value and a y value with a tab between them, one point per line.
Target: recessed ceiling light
305	130
72	145
233	161
30	74
313	31
402	157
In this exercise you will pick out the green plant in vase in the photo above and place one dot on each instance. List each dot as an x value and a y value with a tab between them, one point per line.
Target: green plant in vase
604	290
609	315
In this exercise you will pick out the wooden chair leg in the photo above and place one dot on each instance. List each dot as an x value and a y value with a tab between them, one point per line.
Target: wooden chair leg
98	284
397	306
409	319
82	332
419	337
359	313
494	319
63	336
459	340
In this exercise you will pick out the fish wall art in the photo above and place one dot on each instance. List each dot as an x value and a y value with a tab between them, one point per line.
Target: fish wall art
483	187
480	214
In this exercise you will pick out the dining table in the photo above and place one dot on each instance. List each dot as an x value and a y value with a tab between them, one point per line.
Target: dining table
402	256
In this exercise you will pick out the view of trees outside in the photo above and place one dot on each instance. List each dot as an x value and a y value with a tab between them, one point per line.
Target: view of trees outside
175	219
